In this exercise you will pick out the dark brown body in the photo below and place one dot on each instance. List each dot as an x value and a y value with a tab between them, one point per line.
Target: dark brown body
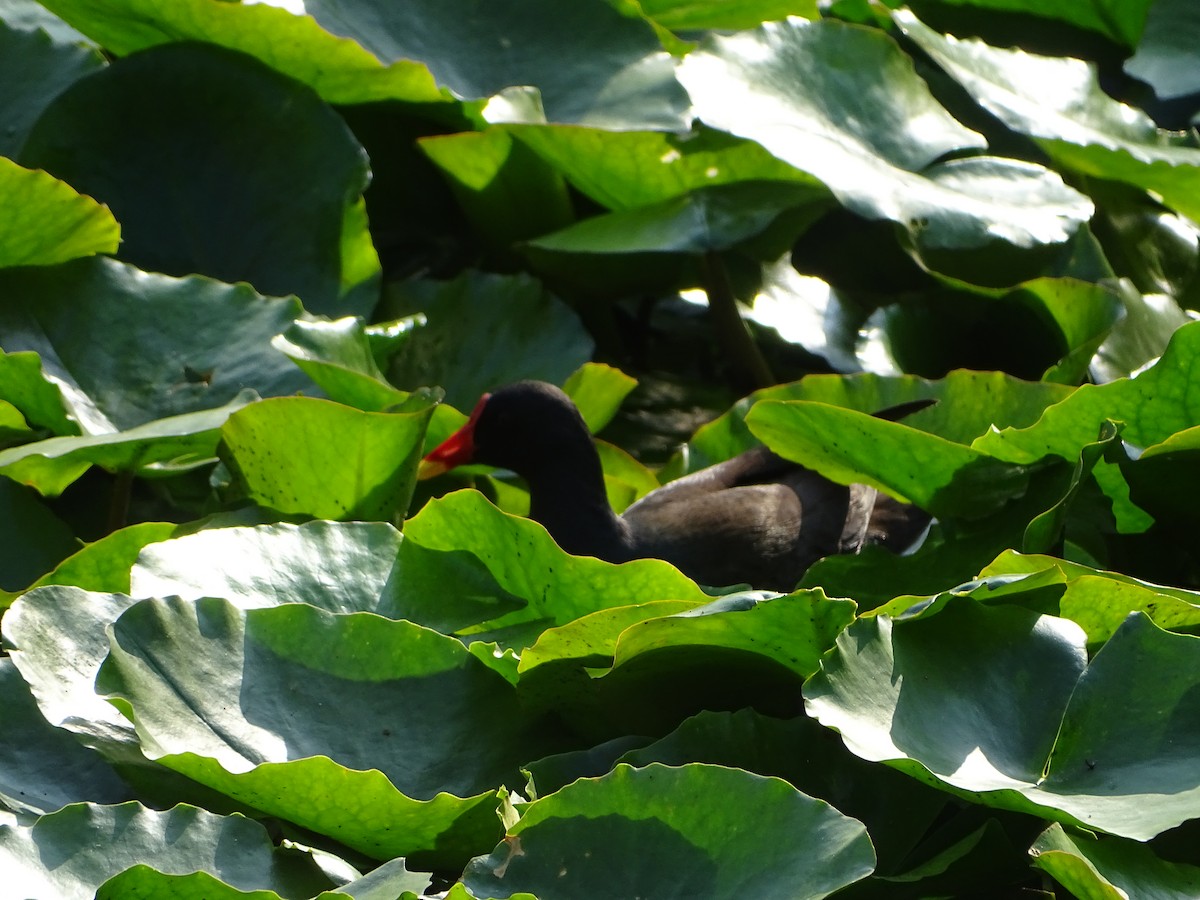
755	519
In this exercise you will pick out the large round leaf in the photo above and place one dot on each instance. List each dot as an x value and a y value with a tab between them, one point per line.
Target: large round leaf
672	832
630	169
267	565
176	442
43	768
874	134
304	714
617	75
339	70
48	222
941	476
153	346
340	356
1001	704
217	165
104	565
69	854
483	331
35	394
706	219
1153	406
55	637
465	563
1111	867
34	68
303	456
1077	124
812	759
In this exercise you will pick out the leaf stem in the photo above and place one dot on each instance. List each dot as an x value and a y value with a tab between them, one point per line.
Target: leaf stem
750	369
118	506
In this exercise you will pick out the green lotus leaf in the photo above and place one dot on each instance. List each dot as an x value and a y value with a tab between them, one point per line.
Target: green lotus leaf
663	830
969	404
1140	337
1044	741
1152	406
597	391
56	638
875	135
40	398
391	881
71	853
506	191
814	761
631	169
49	221
793	630
340	358
617	75
306	564
176	442
941	476
238	139
377	732
291	455
176	329
707	219
43	768
104	564
338	69
464	564
1078	125
1100	601
731	15
483	331
1110	867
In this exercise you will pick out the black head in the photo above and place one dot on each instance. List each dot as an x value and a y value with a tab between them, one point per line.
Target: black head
523	427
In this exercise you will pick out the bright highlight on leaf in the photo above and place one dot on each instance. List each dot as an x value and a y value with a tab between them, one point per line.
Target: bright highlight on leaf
48	222
258	258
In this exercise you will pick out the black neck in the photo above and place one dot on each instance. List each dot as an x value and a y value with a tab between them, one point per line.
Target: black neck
567	496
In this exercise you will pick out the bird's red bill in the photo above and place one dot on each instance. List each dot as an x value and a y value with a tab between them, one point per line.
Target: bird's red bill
456	450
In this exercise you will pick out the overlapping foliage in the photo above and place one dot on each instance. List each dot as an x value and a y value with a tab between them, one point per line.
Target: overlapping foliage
254	261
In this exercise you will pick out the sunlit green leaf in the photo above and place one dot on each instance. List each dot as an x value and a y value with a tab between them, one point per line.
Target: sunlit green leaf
301	456
338	356
339	70
1110	867
1023	720
876	136
1078	125
464	563
182	441
49	221
419	777
670	827
483	331
71	853
616	76
44	768
154	346
305	562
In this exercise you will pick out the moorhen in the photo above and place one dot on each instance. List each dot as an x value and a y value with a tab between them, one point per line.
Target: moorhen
755	519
